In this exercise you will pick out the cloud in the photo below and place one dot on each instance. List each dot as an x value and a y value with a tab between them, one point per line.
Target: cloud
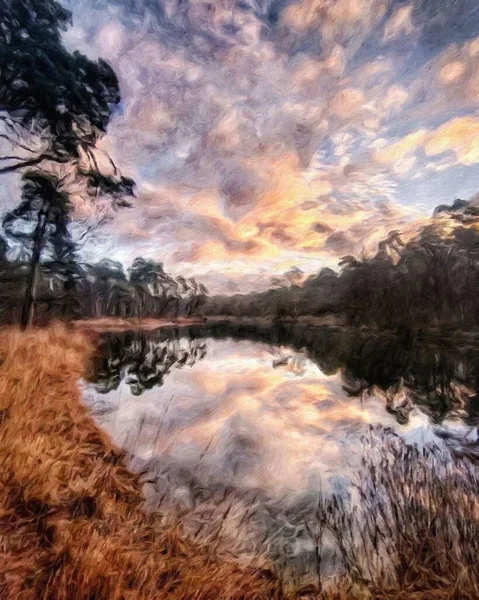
403	147
339	243
459	135
347	103
339	20
259	130
321	228
111	39
445	85
396	96
399	23
451	72
457	72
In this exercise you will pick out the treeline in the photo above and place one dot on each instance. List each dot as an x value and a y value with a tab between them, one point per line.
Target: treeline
432	281
79	290
438	375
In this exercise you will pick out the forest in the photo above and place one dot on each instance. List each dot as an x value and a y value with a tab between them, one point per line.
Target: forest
431	280
103	289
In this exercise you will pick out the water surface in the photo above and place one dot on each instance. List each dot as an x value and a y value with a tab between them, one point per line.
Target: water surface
275	413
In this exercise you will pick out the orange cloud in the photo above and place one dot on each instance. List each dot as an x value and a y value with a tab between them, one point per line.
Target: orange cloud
461	135
405	146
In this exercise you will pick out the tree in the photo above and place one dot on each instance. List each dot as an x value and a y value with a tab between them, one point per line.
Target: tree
41	217
146	273
155	288
55	106
197	298
3	250
108	276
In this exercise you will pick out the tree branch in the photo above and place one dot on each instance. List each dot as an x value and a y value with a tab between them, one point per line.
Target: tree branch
27	163
91	157
11	158
115	169
14	143
32	162
9	123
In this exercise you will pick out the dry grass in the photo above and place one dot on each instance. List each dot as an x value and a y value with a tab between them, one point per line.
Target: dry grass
71	520
414	534
72	525
102	324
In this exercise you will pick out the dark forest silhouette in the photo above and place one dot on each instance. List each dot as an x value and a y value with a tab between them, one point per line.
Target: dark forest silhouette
101	289
430	281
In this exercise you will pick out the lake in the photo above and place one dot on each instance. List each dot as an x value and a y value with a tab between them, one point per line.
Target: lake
231	416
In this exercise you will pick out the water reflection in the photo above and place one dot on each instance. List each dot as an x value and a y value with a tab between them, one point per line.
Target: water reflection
439	376
275	409
254	422
141	359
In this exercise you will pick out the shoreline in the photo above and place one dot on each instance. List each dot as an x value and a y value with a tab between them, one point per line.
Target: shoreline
72	521
101	324
113	324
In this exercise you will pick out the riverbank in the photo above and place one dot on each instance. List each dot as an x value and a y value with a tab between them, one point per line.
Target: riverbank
101	324
72	525
115	324
71	519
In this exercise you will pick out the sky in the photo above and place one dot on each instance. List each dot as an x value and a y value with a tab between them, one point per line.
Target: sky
271	134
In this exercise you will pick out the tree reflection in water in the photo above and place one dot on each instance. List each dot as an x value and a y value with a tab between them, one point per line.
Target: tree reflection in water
142	359
438	375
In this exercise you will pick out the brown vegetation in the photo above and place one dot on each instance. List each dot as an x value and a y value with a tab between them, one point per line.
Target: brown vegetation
415	532
103	324
71	520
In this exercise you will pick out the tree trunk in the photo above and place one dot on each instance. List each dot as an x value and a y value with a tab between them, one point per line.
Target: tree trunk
29	299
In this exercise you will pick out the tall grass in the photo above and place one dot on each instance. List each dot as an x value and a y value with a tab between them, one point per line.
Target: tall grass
73	526
413	531
408	529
